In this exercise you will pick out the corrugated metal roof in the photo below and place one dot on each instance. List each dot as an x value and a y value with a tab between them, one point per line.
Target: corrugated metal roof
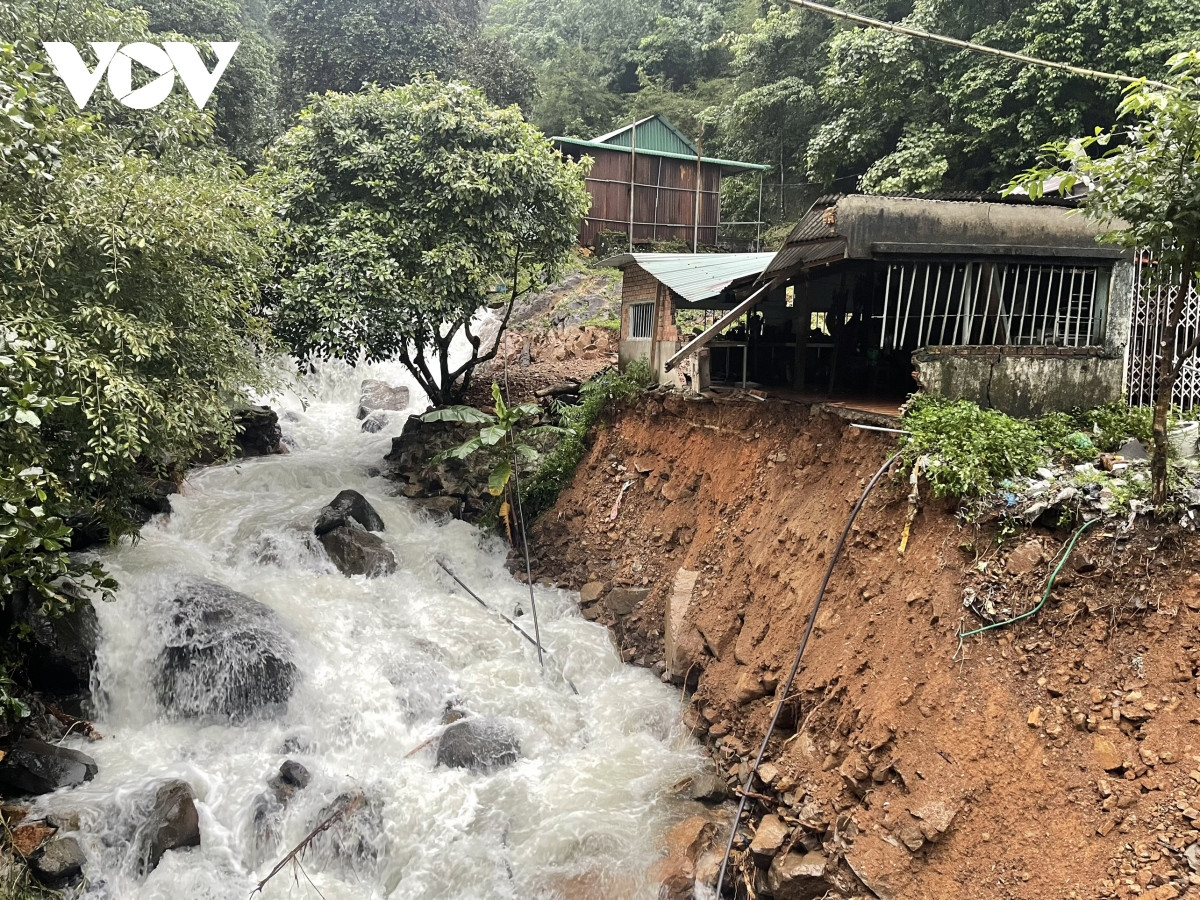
653	133
696	276
807	254
723	163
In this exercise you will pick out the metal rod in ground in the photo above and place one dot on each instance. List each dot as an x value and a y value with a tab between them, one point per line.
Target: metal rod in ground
537	632
521	631
787	685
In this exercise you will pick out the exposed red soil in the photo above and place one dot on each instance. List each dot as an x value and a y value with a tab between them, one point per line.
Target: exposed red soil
1059	758
530	361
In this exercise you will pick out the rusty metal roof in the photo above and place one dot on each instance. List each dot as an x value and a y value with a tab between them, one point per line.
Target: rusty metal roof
696	276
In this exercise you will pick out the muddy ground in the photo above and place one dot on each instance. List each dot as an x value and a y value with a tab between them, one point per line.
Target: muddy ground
1058	758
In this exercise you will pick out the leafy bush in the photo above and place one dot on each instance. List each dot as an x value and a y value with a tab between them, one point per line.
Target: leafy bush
539	492
970	450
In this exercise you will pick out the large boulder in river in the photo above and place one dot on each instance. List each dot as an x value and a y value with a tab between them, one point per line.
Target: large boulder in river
258	431
358	552
59	651
377	395
481	744
35	767
226	654
345	507
171	823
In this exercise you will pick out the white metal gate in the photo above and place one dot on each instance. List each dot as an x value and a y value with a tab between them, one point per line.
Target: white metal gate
1149	312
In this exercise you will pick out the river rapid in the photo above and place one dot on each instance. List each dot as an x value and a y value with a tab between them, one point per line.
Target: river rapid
580	815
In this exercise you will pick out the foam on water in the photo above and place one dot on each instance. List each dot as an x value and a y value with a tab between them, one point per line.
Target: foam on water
580	815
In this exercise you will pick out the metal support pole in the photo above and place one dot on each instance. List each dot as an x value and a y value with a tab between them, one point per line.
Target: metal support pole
758	236
632	179
699	176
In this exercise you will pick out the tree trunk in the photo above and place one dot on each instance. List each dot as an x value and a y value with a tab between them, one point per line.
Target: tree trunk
1168	373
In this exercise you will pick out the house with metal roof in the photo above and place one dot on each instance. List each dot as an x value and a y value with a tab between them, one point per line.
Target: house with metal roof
666	295
995	299
650	182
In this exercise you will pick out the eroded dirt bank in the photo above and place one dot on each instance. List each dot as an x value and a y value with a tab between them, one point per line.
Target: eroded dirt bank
1056	759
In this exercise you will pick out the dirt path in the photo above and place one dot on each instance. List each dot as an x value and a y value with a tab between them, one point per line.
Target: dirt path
1056	759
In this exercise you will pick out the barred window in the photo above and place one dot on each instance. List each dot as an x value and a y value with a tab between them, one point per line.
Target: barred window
993	303
641	321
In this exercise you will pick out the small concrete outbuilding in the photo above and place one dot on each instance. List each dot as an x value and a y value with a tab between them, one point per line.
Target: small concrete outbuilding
1010	304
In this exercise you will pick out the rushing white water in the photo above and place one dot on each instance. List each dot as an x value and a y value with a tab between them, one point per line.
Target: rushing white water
581	814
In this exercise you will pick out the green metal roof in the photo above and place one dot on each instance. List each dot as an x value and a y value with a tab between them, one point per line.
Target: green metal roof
724	163
653	133
695	276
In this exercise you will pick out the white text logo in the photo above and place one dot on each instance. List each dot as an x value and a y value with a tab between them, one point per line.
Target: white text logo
166	61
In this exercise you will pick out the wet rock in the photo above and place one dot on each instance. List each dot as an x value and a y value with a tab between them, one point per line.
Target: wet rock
271	804
170	824
358	552
379	395
226	654
355	838
440	506
707	786
347	507
796	876
60	651
258	430
375	423
480	744
59	863
35	767
155	501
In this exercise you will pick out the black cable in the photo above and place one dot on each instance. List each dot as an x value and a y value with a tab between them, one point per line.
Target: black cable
787	686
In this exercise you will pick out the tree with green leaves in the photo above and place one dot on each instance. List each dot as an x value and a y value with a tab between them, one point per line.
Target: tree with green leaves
1144	180
404	209
340	45
129	257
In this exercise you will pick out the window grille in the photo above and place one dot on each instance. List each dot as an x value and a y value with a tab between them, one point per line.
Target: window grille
641	321
993	303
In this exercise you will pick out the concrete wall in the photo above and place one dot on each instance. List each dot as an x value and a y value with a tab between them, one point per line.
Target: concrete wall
1021	381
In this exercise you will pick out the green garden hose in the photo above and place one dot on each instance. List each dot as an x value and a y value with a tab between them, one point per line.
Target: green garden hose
1049	586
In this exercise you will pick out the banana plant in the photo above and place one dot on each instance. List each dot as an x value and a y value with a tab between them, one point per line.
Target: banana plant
504	434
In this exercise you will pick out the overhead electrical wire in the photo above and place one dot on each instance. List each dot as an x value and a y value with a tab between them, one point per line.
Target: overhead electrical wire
909	31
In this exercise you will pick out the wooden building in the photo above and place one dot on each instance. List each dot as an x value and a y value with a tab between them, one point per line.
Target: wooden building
675	192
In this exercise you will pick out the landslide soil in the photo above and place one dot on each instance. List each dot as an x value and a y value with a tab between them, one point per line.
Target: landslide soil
1065	750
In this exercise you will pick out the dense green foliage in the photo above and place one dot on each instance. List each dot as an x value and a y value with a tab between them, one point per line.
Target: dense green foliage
539	492
129	254
1145	176
404	209
968	452
825	104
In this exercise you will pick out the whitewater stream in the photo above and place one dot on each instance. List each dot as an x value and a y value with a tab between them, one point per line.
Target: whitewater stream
581	814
